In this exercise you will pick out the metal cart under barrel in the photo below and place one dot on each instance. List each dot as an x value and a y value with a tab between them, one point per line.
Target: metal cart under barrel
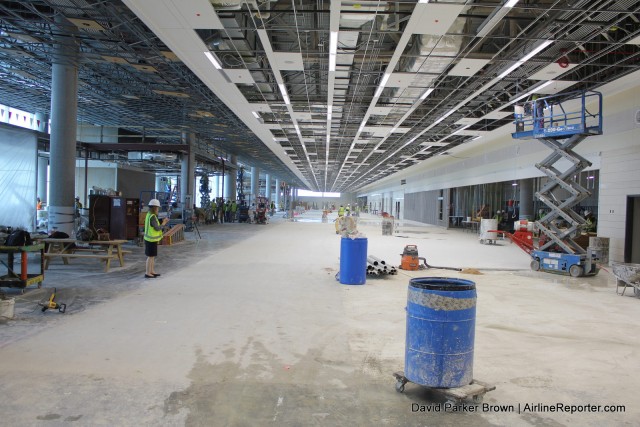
21	278
627	275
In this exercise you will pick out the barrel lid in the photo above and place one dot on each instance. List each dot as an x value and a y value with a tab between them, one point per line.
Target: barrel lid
442	284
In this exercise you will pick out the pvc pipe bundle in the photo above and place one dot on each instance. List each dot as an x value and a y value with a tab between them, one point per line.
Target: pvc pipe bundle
378	267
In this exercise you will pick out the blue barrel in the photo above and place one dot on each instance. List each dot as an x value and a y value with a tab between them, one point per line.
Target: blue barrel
353	261
441	321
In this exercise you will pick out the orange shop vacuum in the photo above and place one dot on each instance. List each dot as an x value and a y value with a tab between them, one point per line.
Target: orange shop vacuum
411	261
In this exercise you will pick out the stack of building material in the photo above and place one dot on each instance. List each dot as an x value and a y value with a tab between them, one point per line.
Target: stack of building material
378	267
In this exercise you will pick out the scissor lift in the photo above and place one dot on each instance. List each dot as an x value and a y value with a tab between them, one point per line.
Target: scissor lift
561	122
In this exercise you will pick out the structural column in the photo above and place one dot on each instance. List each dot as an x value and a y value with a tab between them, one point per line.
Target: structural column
64	113
267	191
187	170
526	199
230	187
277	195
255	184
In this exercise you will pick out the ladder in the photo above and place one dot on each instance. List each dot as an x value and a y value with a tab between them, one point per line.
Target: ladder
561	122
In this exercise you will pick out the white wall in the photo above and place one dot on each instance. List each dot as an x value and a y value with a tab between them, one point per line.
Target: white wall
498	157
619	178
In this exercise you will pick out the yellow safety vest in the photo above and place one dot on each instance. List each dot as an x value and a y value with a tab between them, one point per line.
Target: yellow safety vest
150	233
341	211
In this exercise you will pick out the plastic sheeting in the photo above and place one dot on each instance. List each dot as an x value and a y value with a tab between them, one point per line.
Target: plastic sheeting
18	163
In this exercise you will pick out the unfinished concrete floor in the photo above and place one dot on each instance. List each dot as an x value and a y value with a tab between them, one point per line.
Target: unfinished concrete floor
248	327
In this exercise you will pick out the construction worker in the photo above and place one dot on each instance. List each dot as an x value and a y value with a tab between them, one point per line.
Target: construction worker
152	235
347	210
39	204
234	209
220	209
341	211
227	211
590	222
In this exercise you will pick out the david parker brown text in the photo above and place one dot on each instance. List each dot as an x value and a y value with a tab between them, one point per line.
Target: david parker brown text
519	408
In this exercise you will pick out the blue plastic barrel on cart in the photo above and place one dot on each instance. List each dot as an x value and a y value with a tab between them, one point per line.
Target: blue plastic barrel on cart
441	319
353	261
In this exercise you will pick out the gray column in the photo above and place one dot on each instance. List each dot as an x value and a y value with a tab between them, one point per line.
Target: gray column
277	198
255	189
230	184
187	170
526	199
267	191
64	113
43	163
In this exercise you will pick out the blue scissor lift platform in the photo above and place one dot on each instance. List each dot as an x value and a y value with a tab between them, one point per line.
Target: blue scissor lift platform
561	122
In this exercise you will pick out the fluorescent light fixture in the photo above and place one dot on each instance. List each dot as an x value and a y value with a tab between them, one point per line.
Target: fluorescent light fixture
333	42
378	92
332	62
536	51
525	58
255	114
476	137
423	1
283	90
213	60
426	93
510	3
333	50
385	77
510	69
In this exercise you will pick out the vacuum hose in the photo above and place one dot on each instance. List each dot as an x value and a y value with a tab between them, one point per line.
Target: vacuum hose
442	268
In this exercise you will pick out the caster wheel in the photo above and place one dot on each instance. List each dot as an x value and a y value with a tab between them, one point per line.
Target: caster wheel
576	271
535	264
478	398
400	387
482	241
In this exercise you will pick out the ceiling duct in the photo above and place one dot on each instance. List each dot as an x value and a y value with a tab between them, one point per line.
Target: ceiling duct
223	5
429	57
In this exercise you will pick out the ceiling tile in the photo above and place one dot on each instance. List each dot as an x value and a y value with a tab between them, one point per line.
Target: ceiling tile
634	41
288	60
468	121
86	24
239	75
468	67
495	115
434	18
400	79
197	14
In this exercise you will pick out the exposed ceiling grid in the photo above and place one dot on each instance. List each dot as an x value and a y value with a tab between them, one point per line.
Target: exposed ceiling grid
411	79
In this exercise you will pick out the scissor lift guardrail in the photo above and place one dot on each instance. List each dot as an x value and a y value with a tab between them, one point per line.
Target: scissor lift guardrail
561	122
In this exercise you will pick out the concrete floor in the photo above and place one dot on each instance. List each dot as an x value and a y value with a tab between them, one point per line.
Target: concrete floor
248	327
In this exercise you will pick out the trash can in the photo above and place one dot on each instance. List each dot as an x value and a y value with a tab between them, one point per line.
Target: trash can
441	316
353	261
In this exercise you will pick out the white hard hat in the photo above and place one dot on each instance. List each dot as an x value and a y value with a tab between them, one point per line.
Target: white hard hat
154	202
587	212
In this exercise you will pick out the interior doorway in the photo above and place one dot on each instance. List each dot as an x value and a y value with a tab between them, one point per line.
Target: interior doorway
397	215
632	231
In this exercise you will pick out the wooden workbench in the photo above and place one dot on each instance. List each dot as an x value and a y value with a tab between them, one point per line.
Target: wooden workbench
104	250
